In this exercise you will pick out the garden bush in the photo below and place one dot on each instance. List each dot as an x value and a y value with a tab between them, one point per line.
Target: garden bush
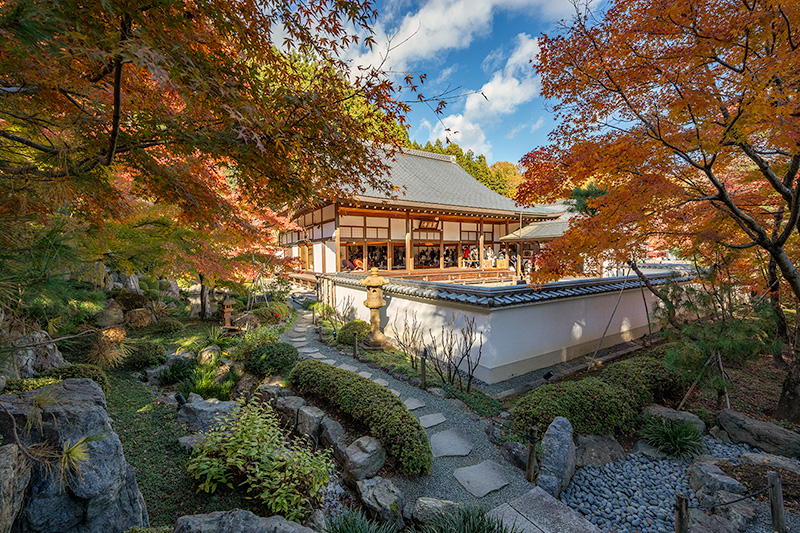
60	306
249	450
646	378
144	285
271	313
179	370
168	326
128	300
205	381
356	522
164	285
345	334
271	359
145	354
319	308
254	339
152	294
95	373
374	406
469	519
594	407
673	437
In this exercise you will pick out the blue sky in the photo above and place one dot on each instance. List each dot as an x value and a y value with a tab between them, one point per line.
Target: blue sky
477	46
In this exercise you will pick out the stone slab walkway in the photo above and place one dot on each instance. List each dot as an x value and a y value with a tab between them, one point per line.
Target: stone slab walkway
482	478
538	512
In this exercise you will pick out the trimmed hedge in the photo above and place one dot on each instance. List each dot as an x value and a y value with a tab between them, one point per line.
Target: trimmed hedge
594	407
81	370
277	358
372	405
145	354
345	335
271	313
168	326
646	378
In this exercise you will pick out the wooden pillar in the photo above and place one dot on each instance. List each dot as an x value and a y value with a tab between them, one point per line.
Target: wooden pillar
441	252
480	243
337	239
519	258
409	262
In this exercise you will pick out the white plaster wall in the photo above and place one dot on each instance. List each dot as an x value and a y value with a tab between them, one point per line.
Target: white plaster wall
398	229
330	256
319	250
521	339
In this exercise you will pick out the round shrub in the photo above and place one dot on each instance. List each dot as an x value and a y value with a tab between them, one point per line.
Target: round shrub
646	378
152	294
673	437
271	313
592	406
345	335
95	373
164	285
145	354
144	285
272	359
168	326
128	300
280	308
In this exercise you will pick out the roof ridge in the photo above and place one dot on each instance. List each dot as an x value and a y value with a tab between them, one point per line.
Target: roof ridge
430	155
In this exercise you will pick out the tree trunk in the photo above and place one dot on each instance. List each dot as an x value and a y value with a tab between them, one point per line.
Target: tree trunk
204	311
789	404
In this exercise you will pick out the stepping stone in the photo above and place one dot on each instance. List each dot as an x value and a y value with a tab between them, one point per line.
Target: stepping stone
449	443
299	344
298	339
381	382
365	374
317	355
481	479
537	511
413	403
396	393
329	361
351	368
428	421
308	349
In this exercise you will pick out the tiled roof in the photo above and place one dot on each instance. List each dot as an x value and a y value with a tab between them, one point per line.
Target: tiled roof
539	231
507	296
424	177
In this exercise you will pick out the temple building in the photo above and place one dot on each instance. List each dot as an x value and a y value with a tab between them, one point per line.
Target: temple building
443	225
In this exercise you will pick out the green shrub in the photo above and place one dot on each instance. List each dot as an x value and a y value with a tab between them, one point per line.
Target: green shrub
356	522
273	359
60	305
168	326
673	437
477	400
249	450
152	294
320	308
646	378
179	370
272	312
372	405
15	386
468	519
594	407
144	285
128	300
253	339
95	373
345	334
145	354
206	382
164	285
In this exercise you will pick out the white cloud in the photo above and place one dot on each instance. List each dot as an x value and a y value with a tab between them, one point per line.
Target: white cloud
492	61
464	132
532	126
445	73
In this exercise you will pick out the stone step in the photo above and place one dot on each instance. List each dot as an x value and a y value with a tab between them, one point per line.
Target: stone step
381	382
308	349
345	366
414	403
482	478
365	374
450	443
329	361
538	512
428	421
395	392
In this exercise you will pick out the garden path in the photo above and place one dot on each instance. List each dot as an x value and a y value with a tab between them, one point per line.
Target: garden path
467	467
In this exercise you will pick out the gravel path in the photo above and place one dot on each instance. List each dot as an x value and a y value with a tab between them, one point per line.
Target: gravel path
441	483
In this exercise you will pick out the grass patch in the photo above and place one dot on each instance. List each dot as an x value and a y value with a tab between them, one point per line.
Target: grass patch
149	433
196	331
477	400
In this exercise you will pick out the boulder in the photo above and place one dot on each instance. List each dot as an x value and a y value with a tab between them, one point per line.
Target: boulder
106	497
35	355
2	383
245	386
558	457
317	521
208	354
426	510
271	393
516	453
188	442
151	374
647	450
236	521
111	315
700	522
679	416
308	420
772	461
174	291
707	479
15	473
132	283
597	450
139	318
194	397
719	434
202	415
287	408
494	433
382	499
169	400
364	458
332	434
765	436
741	514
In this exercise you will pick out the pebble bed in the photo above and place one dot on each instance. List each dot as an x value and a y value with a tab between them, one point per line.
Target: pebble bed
638	494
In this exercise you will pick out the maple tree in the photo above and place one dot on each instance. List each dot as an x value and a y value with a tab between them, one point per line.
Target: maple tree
686	113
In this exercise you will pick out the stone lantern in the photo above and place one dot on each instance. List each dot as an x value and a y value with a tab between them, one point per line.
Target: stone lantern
375	339
227	309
